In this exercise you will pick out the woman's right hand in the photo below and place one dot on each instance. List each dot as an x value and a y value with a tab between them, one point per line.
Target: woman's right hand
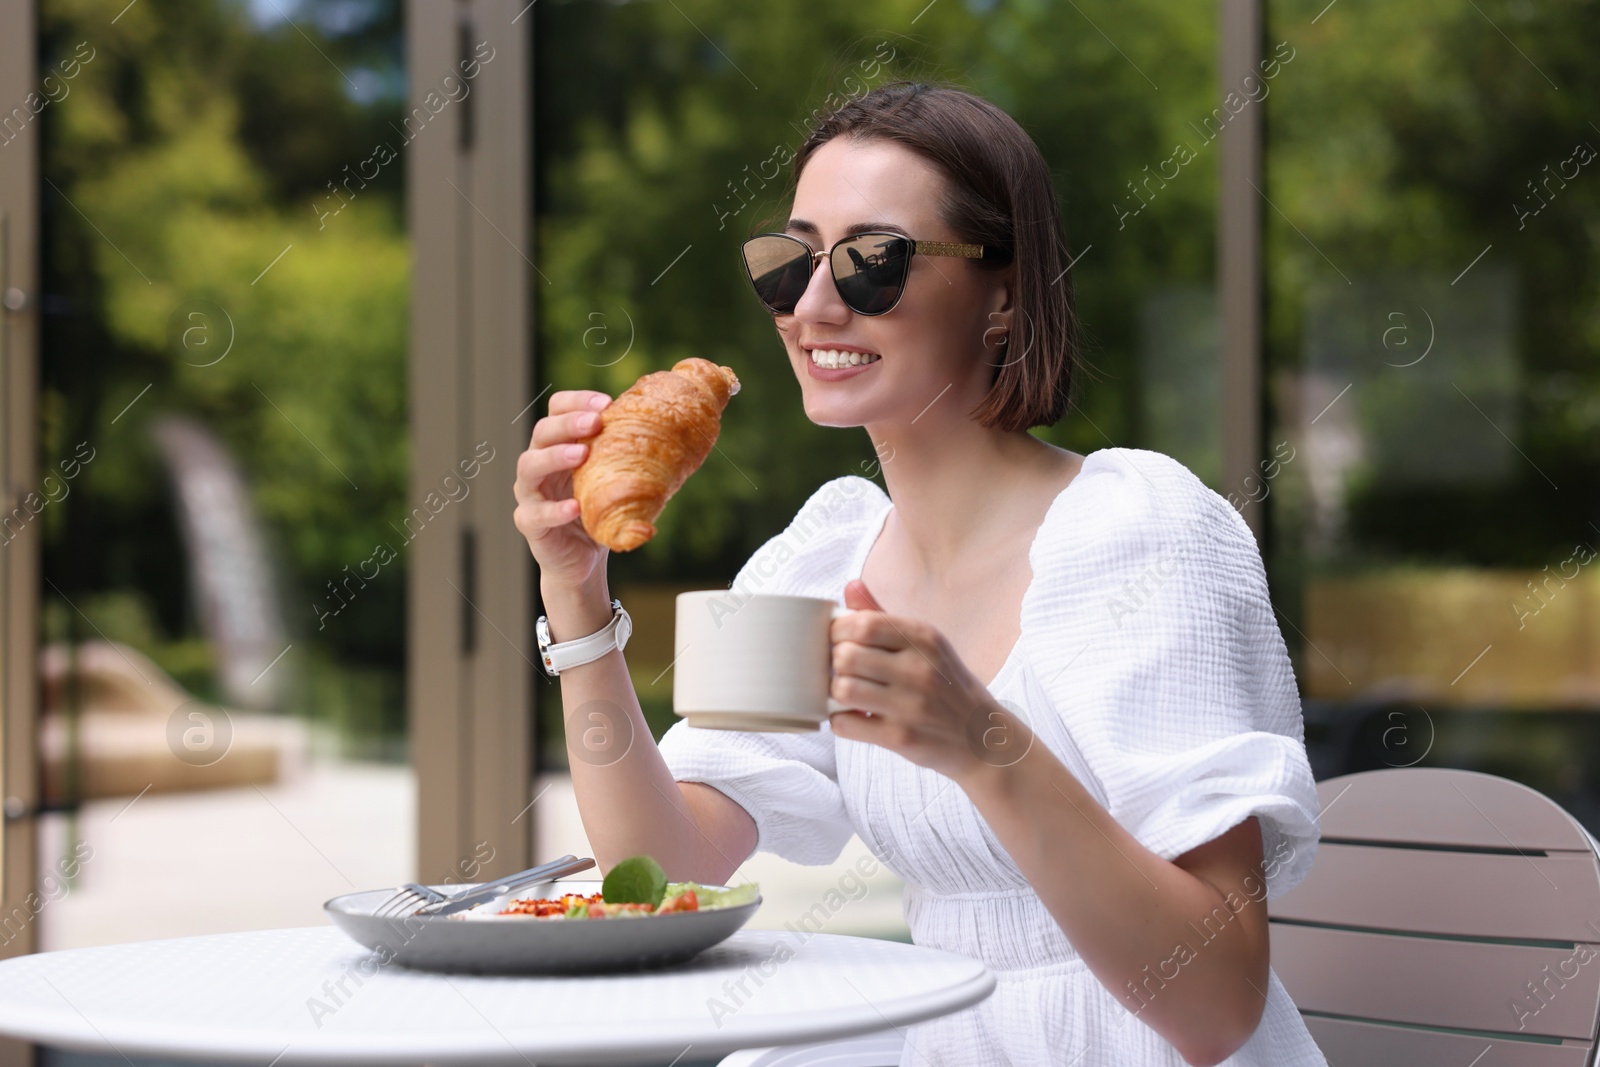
546	510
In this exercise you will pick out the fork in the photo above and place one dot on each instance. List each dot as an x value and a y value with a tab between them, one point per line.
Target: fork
414	899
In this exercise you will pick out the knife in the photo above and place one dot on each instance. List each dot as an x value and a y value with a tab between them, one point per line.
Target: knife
482	894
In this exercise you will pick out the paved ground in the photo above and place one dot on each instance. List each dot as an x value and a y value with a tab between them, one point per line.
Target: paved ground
243	859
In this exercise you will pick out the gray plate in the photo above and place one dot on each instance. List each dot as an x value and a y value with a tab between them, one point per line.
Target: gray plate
523	945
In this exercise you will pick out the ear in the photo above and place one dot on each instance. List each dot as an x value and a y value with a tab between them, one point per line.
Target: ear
1000	320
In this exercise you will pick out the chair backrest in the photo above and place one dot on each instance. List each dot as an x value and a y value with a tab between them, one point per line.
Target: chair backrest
1449	915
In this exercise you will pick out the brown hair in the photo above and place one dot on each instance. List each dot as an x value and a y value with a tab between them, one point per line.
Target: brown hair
1000	193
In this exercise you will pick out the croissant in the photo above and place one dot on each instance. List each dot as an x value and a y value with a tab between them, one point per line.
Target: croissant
652	437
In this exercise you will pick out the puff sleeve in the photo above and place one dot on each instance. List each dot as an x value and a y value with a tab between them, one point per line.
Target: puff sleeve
788	782
1161	659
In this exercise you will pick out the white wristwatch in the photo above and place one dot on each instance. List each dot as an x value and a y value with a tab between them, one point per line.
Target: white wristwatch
575	653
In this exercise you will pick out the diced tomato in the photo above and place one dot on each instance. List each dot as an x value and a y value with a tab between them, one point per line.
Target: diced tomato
602	910
684	901
544	908
596	907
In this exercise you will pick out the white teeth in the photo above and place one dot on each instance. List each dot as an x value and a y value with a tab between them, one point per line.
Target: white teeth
826	357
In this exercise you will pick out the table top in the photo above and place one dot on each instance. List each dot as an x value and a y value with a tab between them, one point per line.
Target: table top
313	996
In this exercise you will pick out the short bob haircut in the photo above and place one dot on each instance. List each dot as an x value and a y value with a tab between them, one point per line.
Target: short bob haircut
998	192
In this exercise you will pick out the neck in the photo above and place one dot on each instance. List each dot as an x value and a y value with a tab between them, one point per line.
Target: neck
952	481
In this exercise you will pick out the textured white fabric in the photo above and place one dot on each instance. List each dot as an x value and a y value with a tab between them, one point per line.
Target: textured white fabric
1150	664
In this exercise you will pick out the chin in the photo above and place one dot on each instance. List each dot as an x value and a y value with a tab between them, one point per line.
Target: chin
834	418
833	413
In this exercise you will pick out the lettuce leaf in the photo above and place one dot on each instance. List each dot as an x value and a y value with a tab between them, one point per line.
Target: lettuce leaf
715	897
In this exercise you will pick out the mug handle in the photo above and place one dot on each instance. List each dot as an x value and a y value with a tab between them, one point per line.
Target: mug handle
834	705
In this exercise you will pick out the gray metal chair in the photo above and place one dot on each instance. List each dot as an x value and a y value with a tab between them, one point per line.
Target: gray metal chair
1450	917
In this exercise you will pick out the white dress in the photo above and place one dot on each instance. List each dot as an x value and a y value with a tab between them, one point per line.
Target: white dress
1150	664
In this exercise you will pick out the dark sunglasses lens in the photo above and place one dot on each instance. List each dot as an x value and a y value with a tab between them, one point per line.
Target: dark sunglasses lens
870	271
779	269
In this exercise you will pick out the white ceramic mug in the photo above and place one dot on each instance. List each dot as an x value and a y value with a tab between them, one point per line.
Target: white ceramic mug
753	661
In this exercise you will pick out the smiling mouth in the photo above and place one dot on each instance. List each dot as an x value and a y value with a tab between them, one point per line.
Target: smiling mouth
828	357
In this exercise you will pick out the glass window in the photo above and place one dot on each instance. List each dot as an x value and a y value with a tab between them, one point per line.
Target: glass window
1431	195
224	445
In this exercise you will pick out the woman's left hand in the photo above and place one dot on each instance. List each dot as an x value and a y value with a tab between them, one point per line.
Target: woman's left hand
913	695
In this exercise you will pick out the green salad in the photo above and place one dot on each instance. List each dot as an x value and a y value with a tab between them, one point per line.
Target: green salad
636	887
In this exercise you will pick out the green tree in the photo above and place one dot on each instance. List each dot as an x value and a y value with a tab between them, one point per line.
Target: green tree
181	177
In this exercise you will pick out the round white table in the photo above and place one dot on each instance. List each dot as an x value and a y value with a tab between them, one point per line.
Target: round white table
310	996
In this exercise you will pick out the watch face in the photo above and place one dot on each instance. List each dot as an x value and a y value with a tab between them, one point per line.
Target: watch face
541	632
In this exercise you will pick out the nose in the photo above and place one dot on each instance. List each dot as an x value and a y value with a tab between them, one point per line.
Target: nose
820	302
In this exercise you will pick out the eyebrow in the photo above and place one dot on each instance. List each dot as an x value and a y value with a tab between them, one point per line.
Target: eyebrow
851	230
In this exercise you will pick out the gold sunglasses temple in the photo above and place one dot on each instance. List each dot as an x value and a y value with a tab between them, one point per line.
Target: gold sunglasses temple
947	248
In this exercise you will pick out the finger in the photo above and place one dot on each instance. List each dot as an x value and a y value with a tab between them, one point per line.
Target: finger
537	516
865	661
559	429
533	494
857	595
858	726
872	628
861	694
577	400
536	464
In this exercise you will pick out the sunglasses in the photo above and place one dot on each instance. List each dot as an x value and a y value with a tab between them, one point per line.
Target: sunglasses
869	269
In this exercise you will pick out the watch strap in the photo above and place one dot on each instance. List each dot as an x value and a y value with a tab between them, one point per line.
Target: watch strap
581	650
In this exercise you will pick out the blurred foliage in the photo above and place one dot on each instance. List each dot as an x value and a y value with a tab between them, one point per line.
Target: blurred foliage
1400	142
182	177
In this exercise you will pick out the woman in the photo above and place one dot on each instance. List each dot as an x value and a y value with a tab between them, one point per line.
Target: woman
1076	733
